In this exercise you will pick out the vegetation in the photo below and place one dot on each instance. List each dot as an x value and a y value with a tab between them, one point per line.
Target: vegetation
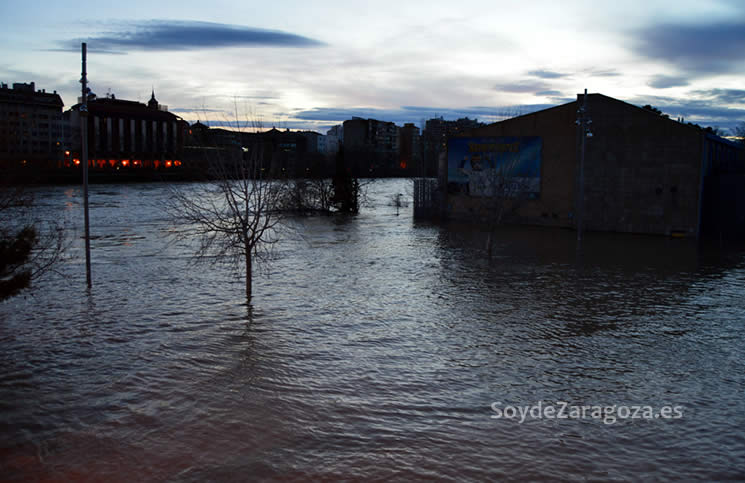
15	251
28	249
651	108
709	129
234	216
346	196
343	193
500	192
739	132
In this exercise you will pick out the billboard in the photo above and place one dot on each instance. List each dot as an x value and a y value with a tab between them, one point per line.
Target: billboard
487	166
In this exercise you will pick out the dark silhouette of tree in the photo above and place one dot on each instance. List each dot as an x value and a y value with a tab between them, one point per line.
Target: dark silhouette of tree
234	216
346	196
28	249
717	131
501	192
15	252
651	108
739	132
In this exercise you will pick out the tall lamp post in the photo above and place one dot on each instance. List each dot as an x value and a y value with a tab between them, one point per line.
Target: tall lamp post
583	121
84	155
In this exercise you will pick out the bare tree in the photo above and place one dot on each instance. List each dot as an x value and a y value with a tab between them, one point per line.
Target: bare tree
739	132
309	196
29	248
500	191
323	190
235	216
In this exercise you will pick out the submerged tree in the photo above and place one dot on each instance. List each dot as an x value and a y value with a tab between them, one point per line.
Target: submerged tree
346	196
28	249
501	191
15	252
235	215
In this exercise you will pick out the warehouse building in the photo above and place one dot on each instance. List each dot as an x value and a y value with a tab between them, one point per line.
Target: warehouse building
601	164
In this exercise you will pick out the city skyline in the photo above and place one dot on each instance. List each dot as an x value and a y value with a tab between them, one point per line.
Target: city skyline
312	65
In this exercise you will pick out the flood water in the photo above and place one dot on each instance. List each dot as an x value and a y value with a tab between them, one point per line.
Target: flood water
376	348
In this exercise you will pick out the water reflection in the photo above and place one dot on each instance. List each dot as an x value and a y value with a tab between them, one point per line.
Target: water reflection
374	349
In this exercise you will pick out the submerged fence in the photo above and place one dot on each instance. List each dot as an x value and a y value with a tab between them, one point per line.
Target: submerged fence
426	198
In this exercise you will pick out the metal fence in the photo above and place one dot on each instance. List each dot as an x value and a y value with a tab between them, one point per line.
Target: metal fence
426	198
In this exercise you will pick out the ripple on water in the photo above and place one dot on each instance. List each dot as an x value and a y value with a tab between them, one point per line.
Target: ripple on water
374	350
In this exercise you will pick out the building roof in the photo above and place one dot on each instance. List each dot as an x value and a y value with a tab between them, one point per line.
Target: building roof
604	98
26	95
119	107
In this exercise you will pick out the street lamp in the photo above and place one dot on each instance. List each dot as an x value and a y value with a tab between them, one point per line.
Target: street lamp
584	122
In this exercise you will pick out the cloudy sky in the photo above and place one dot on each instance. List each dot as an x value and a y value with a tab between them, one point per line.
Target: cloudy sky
314	64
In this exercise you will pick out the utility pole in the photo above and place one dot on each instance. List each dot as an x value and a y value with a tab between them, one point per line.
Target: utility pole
84	155
583	121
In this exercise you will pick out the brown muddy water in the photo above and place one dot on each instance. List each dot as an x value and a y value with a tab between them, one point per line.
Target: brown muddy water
377	348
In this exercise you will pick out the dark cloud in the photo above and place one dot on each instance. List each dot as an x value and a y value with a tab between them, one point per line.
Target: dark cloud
342	114
538	88
187	35
666	81
547	74
703	49
529	86
603	73
724	96
454	113
416	114
703	112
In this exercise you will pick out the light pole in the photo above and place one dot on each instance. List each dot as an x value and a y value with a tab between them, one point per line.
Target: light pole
84	155
583	121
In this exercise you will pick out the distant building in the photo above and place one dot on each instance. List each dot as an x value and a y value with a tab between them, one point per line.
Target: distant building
199	134
334	138
642	172
288	154
410	150
128	135
435	136
321	146
312	140
31	127
371	147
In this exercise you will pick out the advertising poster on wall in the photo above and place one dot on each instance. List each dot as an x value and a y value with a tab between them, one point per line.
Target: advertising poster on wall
495	166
